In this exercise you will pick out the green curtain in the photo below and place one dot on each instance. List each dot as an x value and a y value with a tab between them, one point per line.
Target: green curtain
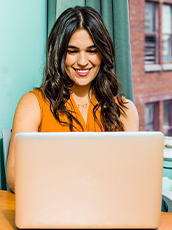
115	14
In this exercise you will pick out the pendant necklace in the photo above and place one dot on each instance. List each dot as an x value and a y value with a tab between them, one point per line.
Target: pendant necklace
84	105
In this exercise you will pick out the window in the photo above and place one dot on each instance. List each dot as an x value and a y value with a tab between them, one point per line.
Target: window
151	33
167	126
167	33
152	117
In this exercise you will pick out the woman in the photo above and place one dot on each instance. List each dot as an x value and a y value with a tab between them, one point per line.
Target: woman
80	91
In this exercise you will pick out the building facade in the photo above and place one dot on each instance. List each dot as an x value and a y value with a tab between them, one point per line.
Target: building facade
151	50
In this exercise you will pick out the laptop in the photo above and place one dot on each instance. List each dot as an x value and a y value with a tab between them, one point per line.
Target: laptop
88	180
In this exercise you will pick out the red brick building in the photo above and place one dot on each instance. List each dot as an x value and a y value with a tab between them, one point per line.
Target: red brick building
151	50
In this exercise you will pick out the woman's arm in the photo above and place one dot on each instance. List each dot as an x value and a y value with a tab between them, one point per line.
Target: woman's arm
131	121
27	118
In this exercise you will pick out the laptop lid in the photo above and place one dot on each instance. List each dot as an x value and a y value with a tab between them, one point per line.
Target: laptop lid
88	180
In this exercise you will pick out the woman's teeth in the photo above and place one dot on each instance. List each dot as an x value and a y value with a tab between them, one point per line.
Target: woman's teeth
82	71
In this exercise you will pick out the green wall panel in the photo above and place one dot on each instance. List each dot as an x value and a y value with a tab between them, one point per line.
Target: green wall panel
23	26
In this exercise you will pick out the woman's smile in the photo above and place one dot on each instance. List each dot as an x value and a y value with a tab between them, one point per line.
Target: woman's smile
82	72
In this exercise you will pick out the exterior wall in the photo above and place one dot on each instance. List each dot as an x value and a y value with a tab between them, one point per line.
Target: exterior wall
152	86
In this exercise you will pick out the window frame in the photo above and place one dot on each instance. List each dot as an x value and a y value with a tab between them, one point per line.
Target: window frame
155	115
170	34
170	127
156	34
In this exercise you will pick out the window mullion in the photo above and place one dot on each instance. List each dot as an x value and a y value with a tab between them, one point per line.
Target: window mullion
157	33
170	34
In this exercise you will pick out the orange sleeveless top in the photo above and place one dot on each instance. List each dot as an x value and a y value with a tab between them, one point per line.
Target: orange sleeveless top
50	124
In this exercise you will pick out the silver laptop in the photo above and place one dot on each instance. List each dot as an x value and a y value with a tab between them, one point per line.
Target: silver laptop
88	180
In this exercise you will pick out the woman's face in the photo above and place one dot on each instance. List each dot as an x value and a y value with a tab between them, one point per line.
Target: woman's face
83	61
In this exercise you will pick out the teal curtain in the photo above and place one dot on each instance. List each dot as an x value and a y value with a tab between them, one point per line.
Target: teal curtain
115	14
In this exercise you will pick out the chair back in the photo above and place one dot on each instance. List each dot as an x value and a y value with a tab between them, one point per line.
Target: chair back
6	134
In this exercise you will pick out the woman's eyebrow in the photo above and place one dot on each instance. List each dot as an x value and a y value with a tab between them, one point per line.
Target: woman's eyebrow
90	47
74	47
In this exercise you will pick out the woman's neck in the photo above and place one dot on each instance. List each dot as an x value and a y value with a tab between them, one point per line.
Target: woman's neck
81	94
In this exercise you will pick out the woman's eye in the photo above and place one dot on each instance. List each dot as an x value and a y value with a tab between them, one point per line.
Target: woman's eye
72	51
92	51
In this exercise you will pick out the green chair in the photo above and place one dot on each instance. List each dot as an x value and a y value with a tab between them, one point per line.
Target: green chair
6	135
167	197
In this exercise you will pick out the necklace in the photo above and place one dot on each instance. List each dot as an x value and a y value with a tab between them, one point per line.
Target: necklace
84	105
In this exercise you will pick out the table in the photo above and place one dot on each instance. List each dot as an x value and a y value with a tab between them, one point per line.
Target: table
7	213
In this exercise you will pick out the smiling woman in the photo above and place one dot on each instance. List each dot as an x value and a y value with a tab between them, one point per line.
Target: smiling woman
80	91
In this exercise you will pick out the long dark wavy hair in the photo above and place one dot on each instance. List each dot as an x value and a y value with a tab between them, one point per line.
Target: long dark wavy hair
57	85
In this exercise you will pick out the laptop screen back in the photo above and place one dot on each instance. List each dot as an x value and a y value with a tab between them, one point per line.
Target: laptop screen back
88	180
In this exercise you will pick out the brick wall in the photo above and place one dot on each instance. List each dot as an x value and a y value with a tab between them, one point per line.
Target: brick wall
148	87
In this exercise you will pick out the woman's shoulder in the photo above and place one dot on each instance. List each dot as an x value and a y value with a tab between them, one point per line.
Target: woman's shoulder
27	116
130	105
31	99
37	93
28	99
131	119
126	104
41	98
28	103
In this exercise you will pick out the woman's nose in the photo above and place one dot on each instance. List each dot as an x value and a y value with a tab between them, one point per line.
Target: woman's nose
82	59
